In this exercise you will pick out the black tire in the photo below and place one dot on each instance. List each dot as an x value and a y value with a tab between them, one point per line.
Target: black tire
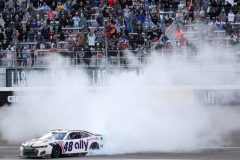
94	146
84	154
56	151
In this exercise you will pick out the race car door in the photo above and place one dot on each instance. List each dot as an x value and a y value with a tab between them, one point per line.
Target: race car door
74	143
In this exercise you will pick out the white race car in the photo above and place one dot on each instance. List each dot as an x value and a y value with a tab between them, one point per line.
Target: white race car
62	142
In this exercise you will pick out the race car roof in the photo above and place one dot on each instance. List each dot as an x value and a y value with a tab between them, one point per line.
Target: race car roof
66	130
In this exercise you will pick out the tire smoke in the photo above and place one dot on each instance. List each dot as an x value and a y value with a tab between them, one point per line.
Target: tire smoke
147	111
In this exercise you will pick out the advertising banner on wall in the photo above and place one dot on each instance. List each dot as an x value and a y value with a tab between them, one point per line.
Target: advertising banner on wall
218	97
205	97
37	78
41	77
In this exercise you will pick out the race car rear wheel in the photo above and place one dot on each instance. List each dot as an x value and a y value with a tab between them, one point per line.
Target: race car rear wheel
94	146
56	151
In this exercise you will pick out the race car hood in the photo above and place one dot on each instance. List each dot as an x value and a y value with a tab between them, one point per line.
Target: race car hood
36	142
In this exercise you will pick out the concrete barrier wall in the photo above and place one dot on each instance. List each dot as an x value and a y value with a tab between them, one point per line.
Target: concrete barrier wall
207	95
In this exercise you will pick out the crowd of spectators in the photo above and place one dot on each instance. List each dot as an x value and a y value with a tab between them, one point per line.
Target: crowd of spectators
83	29
214	18
83	25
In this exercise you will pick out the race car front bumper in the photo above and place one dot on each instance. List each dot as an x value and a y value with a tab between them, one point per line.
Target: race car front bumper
34	152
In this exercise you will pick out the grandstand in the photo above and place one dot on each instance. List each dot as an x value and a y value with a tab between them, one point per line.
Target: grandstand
96	33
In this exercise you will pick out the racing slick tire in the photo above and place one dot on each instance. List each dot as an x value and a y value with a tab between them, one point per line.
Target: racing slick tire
56	151
94	146
84	154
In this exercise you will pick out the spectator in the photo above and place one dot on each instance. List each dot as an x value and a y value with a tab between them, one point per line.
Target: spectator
52	15
148	22
219	8
231	17
164	39
9	34
63	20
80	40
59	6
62	36
36	24
113	30
228	28
235	8
68	5
237	20
76	20
212	9
45	8
31	35
100	20
100	37
83	21
175	5
33	57
24	56
140	53
111	3
234	39
40	41
154	18
178	33
91	39
9	57
139	28
220	23
182	41
141	16
126	12
2	6
227	7
1	36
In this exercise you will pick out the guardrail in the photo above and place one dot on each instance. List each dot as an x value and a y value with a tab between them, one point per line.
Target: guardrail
113	58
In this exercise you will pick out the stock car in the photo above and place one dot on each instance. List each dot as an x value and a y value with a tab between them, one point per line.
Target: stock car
58	143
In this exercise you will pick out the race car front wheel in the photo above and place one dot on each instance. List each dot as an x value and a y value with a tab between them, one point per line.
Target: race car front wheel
56	151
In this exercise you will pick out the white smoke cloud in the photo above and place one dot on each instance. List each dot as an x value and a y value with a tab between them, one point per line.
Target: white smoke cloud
144	112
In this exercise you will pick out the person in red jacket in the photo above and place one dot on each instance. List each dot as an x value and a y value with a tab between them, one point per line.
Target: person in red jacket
111	3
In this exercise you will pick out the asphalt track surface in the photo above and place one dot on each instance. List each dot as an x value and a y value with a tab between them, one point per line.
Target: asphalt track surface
231	152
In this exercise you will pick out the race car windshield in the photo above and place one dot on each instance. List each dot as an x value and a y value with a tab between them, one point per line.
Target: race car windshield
54	136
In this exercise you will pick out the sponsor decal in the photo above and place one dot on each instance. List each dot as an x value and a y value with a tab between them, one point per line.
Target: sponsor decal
81	144
14	99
